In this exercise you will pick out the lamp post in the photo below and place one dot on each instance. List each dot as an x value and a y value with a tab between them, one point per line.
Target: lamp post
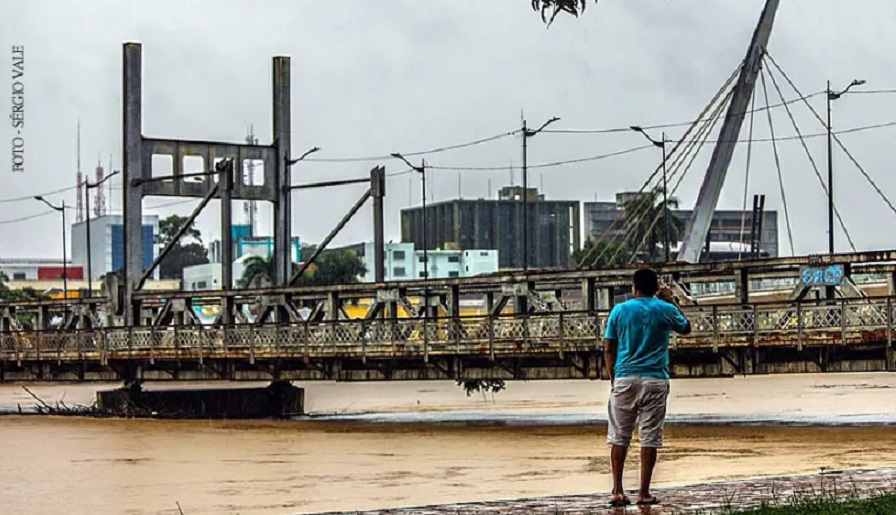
60	208
831	96
87	187
290	162
422	171
528	133
660	144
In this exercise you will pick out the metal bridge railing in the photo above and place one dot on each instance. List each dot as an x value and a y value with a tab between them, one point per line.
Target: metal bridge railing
793	323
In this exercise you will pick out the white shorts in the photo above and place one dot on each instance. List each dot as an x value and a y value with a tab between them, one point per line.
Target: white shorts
640	400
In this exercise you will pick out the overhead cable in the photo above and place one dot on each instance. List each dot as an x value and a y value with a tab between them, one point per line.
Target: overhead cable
771	128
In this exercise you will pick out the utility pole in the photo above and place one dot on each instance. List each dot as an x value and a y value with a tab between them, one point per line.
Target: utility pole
662	145
831	96
87	187
528	133
422	171
61	209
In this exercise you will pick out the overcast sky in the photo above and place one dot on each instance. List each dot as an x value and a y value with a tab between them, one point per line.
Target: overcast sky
370	78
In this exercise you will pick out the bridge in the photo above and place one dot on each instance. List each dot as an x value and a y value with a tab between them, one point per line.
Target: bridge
515	325
831	312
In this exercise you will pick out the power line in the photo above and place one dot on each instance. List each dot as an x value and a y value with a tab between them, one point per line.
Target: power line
680	124
544	165
29	217
412	154
837	139
31	197
824	187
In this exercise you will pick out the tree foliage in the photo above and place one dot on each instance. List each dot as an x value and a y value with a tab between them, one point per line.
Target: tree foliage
330	268
9	295
188	252
644	221
551	8
599	253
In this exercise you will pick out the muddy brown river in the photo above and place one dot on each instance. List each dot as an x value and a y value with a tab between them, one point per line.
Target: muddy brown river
380	445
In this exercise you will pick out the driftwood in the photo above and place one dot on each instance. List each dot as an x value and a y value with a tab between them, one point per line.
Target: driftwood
60	407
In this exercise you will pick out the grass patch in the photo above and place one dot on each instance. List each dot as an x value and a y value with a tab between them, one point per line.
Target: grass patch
807	505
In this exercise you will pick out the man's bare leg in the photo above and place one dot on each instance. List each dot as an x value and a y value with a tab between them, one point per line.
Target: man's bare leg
648	462
617	462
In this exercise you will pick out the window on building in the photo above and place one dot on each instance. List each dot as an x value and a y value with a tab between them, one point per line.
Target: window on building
398	255
399	271
421	275
454	259
453	274
423	259
468	268
201	285
483	254
18	276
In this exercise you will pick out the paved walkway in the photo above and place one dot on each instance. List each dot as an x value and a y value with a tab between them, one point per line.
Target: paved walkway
704	498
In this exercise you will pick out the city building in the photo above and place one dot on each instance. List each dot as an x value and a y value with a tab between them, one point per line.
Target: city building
107	244
244	243
39	269
727	226
403	262
553	227
245	247
208	275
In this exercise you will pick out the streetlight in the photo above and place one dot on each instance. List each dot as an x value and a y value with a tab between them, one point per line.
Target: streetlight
422	171
87	187
61	209
290	162
528	133
831	96
662	145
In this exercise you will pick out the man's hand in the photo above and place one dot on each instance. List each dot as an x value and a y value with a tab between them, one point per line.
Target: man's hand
665	293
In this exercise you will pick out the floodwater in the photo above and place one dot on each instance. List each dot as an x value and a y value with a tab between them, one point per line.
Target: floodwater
400	444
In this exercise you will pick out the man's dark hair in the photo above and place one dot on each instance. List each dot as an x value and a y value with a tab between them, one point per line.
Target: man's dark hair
646	281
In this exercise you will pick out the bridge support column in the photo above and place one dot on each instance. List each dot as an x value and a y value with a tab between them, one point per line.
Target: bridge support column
742	286
589	299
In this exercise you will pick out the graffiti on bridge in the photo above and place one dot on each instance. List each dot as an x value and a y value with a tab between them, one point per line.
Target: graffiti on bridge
831	275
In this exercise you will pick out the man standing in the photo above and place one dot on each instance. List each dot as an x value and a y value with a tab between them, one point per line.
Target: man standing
636	351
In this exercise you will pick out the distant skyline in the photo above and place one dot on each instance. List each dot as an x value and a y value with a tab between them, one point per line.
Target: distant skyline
369	81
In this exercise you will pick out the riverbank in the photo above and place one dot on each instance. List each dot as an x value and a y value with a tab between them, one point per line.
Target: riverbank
729	497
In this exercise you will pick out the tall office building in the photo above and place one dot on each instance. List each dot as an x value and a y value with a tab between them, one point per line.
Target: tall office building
553	227
107	244
727	226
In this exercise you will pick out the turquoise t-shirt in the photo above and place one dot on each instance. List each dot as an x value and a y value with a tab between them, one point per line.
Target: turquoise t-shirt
642	326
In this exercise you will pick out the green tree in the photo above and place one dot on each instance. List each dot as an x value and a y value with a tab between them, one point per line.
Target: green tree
9	295
188	252
644	216
598	253
331	268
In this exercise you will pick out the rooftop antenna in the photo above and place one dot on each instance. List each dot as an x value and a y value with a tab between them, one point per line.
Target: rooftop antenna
79	202
250	208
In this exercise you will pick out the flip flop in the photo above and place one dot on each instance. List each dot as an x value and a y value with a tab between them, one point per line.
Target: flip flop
620	503
649	502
